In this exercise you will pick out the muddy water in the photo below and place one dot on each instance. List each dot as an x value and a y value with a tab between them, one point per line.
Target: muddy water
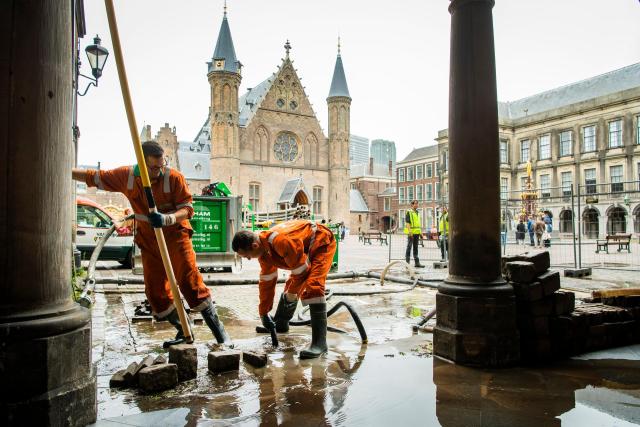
391	381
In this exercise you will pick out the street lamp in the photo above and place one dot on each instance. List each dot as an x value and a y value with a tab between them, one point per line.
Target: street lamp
97	56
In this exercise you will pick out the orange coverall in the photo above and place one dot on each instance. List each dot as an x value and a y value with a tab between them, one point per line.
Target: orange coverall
171	193
303	247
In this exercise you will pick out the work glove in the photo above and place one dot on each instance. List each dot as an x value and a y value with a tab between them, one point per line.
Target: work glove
158	220
267	322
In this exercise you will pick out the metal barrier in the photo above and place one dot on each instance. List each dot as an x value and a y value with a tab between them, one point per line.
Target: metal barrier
428	249
604	235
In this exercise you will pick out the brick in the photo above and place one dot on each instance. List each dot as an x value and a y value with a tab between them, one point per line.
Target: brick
533	326
146	362
550	282
160	360
158	377
505	260
185	356
117	380
527	292
564	302
130	372
521	271
222	361
597	337
543	307
540	260
255	359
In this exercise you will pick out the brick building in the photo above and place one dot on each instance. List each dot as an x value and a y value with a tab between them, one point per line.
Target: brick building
370	208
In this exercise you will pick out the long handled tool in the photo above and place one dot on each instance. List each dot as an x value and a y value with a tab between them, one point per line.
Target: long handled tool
144	174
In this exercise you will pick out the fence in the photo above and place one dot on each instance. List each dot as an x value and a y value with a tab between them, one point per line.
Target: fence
590	239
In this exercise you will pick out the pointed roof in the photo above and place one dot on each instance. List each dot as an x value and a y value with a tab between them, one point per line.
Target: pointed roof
339	81
145	133
224	48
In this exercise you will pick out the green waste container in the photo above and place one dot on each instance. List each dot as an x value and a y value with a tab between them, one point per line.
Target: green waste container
209	224
335	229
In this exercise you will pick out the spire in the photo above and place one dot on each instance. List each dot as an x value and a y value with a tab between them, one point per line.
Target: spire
224	55
339	81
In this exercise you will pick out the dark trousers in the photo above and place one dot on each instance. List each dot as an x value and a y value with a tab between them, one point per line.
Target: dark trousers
412	240
531	237
444	244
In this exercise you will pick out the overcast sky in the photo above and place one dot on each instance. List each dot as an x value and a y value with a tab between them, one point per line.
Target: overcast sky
395	54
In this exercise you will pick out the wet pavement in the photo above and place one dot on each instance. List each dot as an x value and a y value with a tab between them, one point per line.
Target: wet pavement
391	380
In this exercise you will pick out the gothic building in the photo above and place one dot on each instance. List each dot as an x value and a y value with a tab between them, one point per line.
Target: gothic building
267	144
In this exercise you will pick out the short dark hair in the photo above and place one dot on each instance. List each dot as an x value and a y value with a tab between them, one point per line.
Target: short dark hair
243	240
152	148
414	201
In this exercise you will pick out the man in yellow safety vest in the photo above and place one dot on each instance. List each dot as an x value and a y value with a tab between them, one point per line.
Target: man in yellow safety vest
443	233
413	230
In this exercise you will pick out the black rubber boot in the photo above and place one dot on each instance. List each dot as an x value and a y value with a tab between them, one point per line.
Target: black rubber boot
318	332
210	317
418	265
283	315
175	321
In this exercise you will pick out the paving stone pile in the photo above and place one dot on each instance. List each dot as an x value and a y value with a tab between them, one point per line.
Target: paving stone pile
154	374
550	324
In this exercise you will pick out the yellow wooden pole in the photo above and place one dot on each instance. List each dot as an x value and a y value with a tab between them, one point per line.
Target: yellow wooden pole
144	174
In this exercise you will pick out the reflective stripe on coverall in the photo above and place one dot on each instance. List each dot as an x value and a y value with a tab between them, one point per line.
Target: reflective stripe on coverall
171	193
303	247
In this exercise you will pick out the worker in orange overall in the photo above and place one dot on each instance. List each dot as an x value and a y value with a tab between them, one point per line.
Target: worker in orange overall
174	203
304	248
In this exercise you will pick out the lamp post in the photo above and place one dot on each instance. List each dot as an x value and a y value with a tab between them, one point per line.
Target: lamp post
97	56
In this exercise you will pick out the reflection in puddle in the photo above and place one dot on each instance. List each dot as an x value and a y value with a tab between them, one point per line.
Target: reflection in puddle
383	383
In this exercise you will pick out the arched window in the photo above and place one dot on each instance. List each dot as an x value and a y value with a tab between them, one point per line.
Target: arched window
311	150
616	220
636	215
261	145
566	221
590	226
286	148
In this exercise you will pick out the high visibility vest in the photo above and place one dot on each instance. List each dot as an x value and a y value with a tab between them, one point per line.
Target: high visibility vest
443	226
413	227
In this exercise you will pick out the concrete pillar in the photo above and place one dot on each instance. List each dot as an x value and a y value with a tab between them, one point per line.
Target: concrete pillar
475	307
46	375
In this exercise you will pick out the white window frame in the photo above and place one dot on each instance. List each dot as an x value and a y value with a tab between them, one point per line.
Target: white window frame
419	193
400	174
317	201
547	138
591	139
401	195
504	153
617	132
590	187
410	173
253	198
419	172
428	191
528	143
566	185
428	170
616	181
410	194
386	205
562	140
504	188
545	186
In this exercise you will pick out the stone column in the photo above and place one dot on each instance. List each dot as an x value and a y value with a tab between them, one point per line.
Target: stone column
46	375
475	307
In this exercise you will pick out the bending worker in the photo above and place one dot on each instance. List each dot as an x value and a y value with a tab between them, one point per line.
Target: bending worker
174	204
306	249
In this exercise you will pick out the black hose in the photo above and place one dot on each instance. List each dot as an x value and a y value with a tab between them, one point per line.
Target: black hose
274	337
354	316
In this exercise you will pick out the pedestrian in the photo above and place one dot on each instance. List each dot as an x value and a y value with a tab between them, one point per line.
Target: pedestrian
520	231
443	233
540	228
343	230
413	230
174	203
530	229
304	248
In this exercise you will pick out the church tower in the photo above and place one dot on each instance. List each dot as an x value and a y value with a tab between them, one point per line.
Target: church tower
224	78
339	103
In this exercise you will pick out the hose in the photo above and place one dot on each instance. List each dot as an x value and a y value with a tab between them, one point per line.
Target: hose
425	319
354	316
85	299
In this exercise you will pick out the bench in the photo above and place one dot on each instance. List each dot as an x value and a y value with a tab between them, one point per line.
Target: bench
374	235
622	240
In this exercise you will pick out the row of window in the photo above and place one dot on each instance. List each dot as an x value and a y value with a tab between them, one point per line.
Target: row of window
565	142
417	172
616	182
420	192
255	199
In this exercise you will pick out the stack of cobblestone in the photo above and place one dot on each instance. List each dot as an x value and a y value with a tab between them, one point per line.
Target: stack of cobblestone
550	324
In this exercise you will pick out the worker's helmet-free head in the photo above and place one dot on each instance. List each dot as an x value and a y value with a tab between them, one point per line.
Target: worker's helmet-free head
246	244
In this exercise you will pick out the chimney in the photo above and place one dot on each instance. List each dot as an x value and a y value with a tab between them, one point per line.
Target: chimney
370	165
390	167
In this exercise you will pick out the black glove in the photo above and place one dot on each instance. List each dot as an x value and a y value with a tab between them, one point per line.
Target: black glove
267	322
158	220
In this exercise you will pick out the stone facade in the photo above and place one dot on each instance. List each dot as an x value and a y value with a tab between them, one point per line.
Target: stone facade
593	141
